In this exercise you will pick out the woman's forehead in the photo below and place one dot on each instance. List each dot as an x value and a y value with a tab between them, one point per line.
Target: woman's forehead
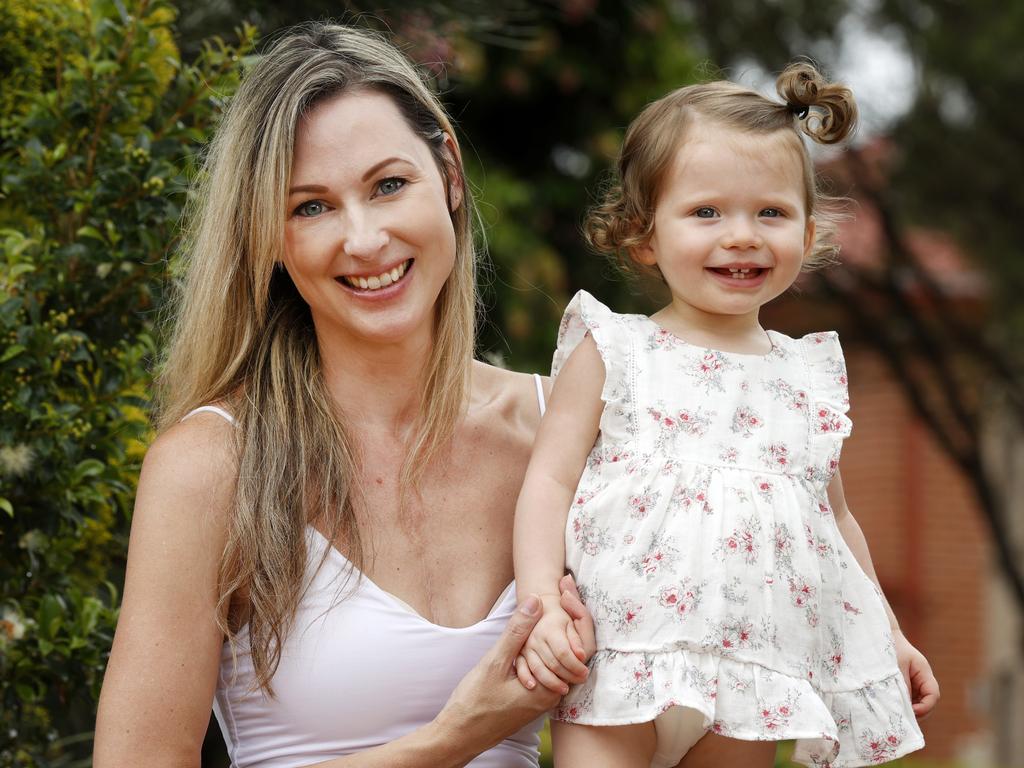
354	128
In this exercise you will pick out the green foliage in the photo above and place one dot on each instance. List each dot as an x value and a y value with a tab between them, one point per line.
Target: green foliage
93	183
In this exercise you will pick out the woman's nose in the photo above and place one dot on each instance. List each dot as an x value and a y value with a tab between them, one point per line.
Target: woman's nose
364	237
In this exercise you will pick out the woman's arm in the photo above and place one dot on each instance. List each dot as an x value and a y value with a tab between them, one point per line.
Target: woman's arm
158	689
160	681
917	672
564	440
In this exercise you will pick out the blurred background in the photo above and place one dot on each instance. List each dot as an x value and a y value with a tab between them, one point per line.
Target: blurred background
105	106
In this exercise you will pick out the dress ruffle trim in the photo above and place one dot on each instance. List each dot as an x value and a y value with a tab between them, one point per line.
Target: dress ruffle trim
742	700
830	400
585	314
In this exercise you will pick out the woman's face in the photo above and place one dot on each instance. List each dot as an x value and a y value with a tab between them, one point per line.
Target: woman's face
369	240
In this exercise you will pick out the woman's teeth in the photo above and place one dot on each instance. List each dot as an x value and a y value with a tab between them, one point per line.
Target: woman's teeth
376	282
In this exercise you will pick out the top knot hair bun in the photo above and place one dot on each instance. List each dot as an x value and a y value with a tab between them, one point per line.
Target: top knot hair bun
827	111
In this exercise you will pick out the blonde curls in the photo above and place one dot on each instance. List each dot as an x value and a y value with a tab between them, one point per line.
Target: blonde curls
824	112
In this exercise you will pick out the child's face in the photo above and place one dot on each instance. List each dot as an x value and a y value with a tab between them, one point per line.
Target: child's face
730	226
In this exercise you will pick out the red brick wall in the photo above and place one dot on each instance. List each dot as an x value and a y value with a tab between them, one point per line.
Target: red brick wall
927	540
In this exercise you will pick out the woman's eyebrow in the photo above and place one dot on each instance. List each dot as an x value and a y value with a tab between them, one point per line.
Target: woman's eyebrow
307	188
318	188
377	166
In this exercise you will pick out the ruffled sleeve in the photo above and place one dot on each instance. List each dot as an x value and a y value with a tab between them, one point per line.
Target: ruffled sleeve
827	369
586	315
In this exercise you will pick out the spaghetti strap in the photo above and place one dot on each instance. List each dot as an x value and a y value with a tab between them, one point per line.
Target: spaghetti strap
540	393
210	409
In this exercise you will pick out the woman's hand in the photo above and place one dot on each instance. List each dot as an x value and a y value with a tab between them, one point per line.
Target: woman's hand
489	704
917	672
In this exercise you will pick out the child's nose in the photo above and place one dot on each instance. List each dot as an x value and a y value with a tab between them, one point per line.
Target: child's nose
742	233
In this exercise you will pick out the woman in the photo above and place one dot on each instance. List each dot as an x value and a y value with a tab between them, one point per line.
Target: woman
325	520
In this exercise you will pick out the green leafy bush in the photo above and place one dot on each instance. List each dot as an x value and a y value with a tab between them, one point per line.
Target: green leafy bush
101	125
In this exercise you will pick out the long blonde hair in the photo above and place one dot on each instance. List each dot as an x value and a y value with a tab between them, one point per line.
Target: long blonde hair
242	335
811	106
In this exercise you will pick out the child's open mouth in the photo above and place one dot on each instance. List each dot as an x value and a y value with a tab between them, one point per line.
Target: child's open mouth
739	273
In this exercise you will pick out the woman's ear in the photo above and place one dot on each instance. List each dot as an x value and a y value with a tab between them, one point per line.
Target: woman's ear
454	177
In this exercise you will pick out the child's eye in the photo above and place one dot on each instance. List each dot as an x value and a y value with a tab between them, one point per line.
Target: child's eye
310	209
390	185
705	212
771	213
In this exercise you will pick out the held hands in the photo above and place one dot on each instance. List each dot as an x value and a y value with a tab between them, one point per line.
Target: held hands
489	704
560	645
917	672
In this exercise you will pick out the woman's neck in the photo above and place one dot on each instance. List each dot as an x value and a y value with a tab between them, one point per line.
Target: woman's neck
377	386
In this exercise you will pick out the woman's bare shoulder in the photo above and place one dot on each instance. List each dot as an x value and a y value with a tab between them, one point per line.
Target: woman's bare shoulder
509	395
192	461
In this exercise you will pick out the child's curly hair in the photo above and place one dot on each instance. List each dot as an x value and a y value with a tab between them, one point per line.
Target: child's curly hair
824	111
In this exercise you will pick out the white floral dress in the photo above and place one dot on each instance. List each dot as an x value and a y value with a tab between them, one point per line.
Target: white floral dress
703	544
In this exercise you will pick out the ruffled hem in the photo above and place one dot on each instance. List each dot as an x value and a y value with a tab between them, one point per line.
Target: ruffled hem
742	700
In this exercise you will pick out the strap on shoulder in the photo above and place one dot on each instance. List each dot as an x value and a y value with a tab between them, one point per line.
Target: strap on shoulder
210	409
540	393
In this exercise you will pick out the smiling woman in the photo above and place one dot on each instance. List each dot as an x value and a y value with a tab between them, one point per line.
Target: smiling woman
372	224
330	456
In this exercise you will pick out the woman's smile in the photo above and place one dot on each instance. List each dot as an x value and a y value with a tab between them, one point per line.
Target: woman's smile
376	282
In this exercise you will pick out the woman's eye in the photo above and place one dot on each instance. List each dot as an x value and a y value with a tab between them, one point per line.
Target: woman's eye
310	208
390	185
705	212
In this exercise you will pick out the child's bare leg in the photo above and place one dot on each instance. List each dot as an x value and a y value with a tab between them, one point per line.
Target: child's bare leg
714	751
602	746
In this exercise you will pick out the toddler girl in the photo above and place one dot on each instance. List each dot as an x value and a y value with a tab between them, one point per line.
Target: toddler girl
686	470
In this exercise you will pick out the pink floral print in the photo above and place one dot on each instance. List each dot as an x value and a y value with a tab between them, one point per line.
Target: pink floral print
745	421
709	370
658	557
744	541
681	600
704	545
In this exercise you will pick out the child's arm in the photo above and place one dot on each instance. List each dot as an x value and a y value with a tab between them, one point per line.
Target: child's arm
921	682
566	434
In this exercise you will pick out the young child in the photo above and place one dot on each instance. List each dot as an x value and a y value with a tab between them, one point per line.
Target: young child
686	470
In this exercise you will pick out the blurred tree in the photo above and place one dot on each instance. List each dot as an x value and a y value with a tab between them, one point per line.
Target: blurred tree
955	168
101	122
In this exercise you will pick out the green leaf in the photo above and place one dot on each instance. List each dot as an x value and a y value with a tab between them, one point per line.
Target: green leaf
6	506
87	468
11	352
90	231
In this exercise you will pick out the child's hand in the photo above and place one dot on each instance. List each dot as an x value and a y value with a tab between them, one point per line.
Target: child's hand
548	656
917	672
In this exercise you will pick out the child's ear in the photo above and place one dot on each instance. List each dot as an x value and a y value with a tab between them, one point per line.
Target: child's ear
809	232
454	175
643	254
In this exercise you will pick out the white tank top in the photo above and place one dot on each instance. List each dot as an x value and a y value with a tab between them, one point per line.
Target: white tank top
360	668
